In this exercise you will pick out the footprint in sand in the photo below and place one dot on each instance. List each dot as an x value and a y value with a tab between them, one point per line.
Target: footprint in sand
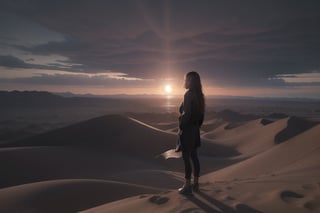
192	210
309	187
244	208
289	196
313	204
229	198
158	199
217	191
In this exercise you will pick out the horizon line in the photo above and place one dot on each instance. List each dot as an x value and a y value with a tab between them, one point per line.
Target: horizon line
71	94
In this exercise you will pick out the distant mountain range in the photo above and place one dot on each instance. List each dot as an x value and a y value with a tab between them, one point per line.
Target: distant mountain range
28	98
88	95
42	99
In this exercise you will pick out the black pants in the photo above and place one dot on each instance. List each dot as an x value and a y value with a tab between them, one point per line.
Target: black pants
193	157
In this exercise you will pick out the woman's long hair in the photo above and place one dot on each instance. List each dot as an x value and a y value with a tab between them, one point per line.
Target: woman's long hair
195	85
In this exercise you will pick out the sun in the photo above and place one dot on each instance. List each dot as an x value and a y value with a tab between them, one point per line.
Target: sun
168	88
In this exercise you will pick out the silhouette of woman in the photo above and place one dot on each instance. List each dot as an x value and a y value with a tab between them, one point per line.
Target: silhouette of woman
190	120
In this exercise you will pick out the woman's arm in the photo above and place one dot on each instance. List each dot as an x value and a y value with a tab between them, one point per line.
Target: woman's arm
186	114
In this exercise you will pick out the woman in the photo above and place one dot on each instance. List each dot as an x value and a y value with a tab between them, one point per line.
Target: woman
190	121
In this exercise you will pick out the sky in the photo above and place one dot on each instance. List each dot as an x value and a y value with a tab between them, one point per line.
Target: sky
239	48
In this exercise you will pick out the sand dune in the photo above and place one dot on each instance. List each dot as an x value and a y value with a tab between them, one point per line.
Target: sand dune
263	183
66	195
295	127
259	135
97	165
247	196
30	164
249	139
276	159
111	132
173	202
164	121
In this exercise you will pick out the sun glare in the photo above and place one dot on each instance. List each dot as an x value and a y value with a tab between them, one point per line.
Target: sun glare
168	88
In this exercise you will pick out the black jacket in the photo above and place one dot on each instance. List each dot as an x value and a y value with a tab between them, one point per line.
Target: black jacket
190	120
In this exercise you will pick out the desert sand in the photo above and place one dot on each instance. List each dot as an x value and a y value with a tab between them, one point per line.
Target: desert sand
113	163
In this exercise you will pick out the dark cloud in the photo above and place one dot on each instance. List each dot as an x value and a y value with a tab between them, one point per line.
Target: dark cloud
54	47
14	62
11	61
77	80
243	43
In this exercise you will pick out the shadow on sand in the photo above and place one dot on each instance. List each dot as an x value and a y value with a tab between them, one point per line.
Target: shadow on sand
216	206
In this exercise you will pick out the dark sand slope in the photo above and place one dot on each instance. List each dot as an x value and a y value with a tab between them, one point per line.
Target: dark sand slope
97	148
111	132
109	147
70	195
105	160
31	164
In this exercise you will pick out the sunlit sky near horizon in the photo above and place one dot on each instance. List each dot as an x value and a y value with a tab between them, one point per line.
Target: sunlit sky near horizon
240	48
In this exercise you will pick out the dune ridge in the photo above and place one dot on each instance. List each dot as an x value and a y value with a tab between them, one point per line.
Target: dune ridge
110	164
275	159
66	195
106	132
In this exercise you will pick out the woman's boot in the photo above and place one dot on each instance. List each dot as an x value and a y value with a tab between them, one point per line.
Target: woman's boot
186	188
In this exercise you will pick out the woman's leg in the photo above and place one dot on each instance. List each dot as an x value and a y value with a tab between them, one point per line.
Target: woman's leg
186	188
196	163
187	165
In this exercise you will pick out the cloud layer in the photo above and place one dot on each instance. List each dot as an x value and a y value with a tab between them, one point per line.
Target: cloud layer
231	43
